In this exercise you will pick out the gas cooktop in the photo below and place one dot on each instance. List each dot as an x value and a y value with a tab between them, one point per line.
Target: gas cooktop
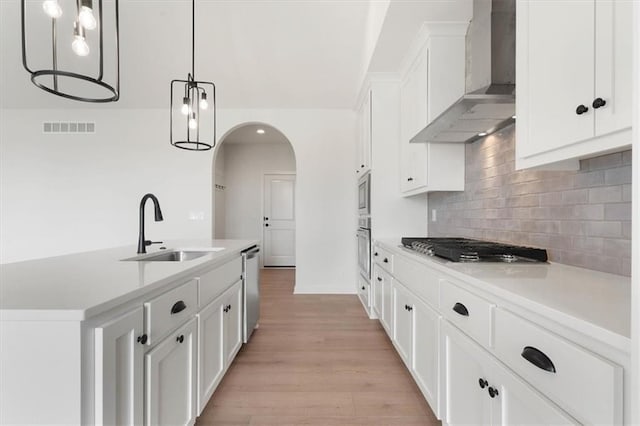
468	250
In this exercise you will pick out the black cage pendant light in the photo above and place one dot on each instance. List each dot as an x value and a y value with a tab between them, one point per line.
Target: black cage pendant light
193	107
71	48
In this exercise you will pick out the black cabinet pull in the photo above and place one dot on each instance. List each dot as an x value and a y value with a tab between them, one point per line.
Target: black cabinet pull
266	224
386	260
225	310
459	308
493	392
362	166
375	254
581	109
179	306
228	308
598	103
143	339
483	383
409	179
180	338
538	358
379	278
409	308
363	287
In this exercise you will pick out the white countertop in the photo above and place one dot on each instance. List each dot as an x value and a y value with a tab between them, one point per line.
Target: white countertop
594	302
79	286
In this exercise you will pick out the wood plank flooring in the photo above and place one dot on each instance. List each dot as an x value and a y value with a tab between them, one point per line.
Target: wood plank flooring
315	360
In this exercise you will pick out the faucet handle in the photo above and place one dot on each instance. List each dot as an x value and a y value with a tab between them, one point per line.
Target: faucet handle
149	242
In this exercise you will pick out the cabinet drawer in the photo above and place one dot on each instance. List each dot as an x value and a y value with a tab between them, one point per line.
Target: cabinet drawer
584	384
213	283
418	277
169	310
384	258
470	313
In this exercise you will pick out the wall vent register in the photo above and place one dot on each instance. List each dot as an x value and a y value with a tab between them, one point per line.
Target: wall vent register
468	250
68	127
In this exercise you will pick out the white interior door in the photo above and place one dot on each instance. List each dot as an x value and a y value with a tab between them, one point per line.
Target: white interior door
279	222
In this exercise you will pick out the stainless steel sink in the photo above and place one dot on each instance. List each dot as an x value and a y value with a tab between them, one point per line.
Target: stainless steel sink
174	255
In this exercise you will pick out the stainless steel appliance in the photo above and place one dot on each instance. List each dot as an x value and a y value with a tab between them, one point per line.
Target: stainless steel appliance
250	290
364	247
364	195
468	250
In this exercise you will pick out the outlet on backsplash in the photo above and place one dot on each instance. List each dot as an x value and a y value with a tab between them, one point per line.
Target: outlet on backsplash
582	218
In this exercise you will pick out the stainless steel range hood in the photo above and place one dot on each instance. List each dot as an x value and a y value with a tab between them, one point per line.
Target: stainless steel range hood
491	108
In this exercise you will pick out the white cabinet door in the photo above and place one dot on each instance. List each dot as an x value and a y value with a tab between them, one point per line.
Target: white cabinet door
377	290
403	323
466	380
119	357
557	90
426	340
387	306
364	140
232	319
210	350
170	379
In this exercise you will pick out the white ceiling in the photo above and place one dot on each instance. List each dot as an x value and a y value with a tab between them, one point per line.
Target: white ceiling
259	53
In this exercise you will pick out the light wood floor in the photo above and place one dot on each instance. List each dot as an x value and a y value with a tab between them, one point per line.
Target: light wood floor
315	360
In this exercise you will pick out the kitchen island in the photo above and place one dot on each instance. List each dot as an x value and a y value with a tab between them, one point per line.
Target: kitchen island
97	337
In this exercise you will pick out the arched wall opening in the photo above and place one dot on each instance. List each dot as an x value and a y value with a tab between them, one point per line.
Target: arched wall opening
254	171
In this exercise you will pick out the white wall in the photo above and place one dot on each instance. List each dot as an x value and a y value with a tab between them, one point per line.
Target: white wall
245	166
63	194
219	196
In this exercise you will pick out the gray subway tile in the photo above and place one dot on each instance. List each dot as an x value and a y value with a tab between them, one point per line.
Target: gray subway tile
626	230
617	176
575	196
626	193
589	211
605	161
605	194
604	229
551	199
617	211
617	247
588	179
626	157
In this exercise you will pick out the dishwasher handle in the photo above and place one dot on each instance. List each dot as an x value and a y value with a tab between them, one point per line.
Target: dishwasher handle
251	253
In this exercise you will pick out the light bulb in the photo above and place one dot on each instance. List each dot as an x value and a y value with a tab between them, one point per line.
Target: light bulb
193	124
79	44
86	18
185	106
203	101
52	8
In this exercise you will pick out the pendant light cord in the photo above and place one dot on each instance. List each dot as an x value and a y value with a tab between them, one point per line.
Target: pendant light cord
193	39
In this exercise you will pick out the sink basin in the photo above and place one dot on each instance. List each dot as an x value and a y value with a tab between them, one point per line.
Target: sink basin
178	255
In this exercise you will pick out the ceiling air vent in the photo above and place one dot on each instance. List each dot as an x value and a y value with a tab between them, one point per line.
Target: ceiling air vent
68	127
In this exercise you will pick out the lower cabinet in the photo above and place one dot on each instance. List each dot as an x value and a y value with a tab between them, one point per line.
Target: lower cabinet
170	383
232	321
478	389
403	322
119	360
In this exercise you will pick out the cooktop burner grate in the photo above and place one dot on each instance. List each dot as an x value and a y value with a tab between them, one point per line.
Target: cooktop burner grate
469	250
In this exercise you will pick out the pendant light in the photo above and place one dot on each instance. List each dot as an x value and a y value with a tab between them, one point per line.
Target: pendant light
84	46
193	107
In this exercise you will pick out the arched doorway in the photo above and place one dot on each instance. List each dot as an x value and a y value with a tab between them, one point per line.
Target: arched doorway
254	171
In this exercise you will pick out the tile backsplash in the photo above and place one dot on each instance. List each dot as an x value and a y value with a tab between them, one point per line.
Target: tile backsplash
582	218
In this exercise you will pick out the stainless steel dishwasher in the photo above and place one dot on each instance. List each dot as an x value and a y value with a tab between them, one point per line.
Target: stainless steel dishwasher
250	290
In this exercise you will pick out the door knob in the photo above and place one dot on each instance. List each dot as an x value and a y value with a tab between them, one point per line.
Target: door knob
143	339
266	224
483	383
265	218
493	392
581	109
598	102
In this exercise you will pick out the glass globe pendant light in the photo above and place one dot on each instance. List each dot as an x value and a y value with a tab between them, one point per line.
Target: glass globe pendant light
193	107
84	63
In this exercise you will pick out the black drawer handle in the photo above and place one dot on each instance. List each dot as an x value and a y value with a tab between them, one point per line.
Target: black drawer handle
538	358
386	260
179	306
581	109
493	392
379	278
598	103
143	339
180	338
483	383
461	309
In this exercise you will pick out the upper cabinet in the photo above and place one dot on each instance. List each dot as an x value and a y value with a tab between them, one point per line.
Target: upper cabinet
573	91
363	161
432	80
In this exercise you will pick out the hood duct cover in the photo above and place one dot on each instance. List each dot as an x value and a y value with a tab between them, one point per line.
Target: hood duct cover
487	110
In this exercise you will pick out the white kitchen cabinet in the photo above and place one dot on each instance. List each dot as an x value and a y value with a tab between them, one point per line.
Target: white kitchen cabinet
232	332
363	163
479	390
170	379
387	305
564	76
403	322
377	292
119	360
211	360
425	357
433	80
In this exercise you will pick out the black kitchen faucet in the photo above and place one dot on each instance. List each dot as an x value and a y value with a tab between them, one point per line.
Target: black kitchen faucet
142	243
